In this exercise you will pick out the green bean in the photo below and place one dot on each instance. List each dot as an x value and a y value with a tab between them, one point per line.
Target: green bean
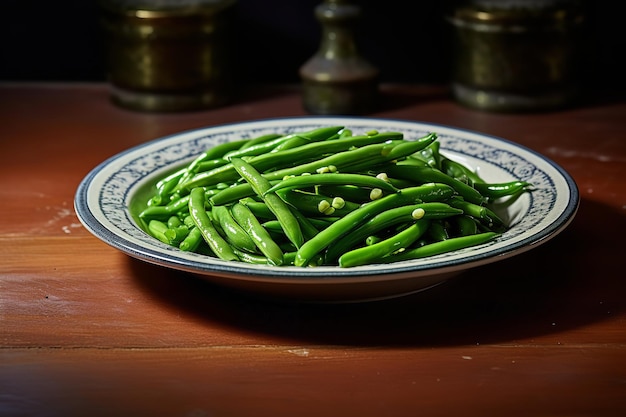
289	258
440	247
353	160
493	191
234	193
281	210
216	152
396	150
290	143
220	150
429	156
340	160
174	221
258	149
465	225
375	252
438	231
201	219
164	212
481	213
459	171
282	164
233	232
176	175
251	258
321	223
191	242
263	147
208	165
164	190
316	204
314	150
345	133
261	237
258	208
427	174
285	245
177	234
157	229
308	228
359	180
260	139
286	159
272	226
410	147
388	218
347	192
346	224
231	194
188	221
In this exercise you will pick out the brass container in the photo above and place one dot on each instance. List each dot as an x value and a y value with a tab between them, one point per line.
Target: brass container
169	55
337	79
516	58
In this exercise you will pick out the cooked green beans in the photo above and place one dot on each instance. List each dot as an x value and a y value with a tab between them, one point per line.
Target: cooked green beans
306	181
404	214
233	232
258	233
383	248
325	197
281	210
201	219
352	220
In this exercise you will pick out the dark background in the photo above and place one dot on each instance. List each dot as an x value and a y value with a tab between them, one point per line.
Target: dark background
407	40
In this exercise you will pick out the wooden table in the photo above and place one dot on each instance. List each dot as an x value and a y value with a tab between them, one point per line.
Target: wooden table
87	331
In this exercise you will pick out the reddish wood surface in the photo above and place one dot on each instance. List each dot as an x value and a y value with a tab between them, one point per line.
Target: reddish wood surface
86	330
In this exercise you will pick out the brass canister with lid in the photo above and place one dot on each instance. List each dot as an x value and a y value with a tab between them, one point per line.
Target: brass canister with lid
337	79
516	55
169	55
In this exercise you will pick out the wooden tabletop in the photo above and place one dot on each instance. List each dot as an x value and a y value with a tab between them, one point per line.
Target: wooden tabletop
86	330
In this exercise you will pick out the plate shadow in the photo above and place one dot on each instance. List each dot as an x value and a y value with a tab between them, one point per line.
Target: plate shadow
551	288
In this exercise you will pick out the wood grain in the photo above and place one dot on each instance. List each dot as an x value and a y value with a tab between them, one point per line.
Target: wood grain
87	330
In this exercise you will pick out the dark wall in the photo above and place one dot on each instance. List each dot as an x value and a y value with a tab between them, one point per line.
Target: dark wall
61	40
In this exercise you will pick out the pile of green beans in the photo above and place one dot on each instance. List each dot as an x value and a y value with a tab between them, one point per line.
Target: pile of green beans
326	197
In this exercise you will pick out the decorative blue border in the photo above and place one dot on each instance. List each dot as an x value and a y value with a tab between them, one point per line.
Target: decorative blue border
119	183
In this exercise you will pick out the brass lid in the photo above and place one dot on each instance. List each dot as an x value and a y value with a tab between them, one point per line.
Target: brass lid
164	8
531	12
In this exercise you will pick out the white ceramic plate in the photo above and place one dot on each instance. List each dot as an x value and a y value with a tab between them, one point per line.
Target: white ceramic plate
103	197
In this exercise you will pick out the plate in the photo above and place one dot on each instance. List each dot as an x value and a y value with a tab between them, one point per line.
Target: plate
103	198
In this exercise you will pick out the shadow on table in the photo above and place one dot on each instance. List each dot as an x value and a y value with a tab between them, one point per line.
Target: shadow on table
552	288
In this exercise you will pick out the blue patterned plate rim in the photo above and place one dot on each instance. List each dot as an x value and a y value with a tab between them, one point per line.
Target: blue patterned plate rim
102	198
